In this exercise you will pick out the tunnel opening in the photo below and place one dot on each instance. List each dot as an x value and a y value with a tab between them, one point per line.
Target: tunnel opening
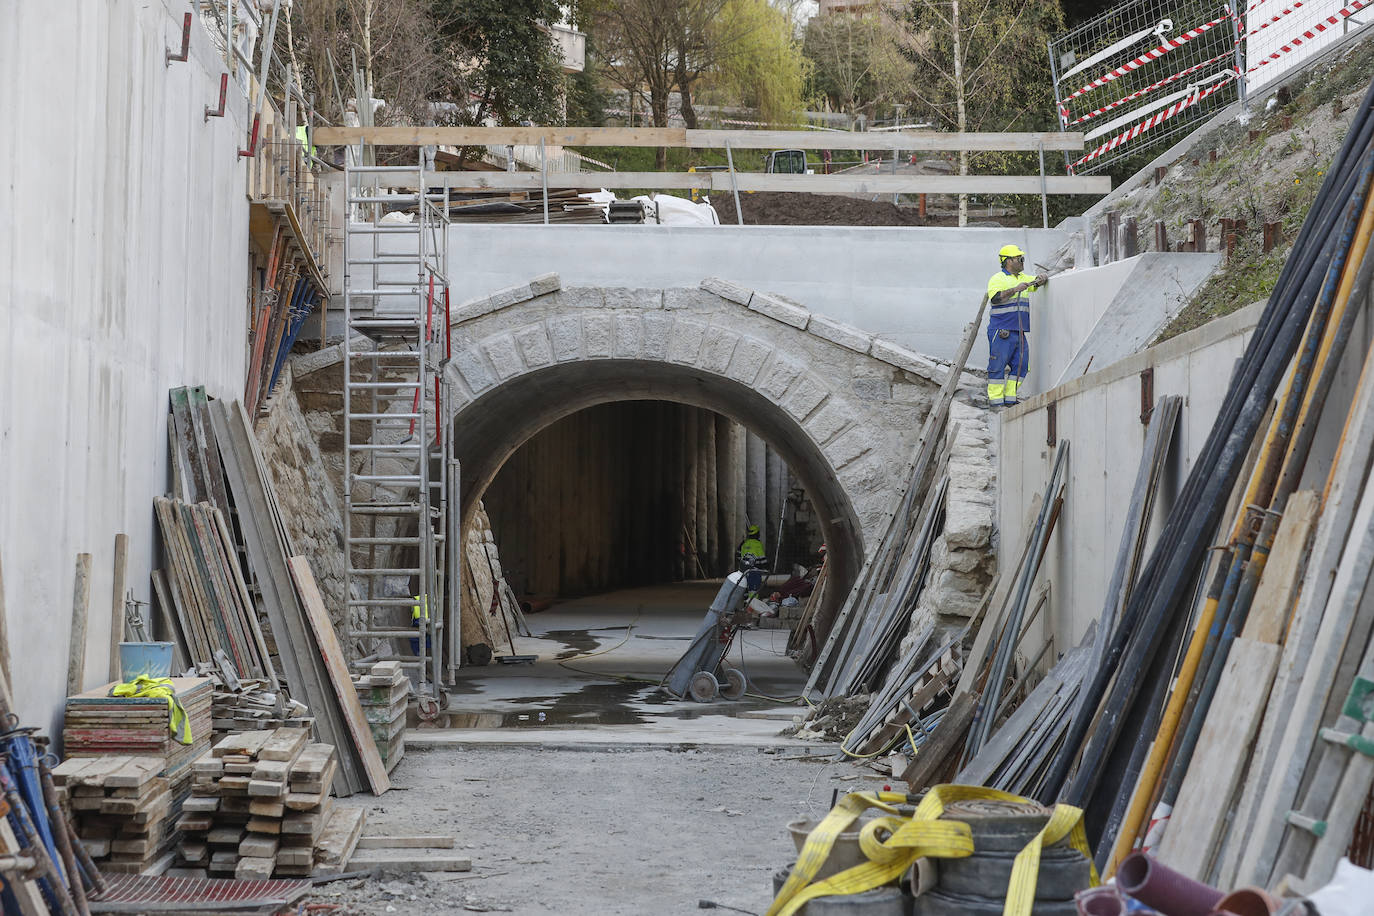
640	493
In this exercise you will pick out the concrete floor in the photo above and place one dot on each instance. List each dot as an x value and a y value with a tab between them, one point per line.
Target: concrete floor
595	681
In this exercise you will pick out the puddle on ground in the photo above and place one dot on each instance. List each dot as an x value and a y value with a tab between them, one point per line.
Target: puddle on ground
577	641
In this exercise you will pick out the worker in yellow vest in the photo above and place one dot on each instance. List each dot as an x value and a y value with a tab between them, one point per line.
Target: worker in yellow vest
419	618
752	557
1008	324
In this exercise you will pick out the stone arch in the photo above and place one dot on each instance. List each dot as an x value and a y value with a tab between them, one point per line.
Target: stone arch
841	406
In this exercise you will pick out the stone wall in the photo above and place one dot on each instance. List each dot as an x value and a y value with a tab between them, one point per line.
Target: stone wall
306	492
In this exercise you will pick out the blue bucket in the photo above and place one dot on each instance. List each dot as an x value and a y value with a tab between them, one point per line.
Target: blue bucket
146	659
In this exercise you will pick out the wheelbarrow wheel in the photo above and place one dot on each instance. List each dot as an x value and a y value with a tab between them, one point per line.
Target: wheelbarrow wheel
735	684
704	687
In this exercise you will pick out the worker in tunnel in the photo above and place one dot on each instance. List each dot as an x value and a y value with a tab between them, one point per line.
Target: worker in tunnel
751	557
1008	324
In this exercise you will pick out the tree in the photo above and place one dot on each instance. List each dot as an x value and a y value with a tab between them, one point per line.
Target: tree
981	65
857	60
763	66
740	47
503	59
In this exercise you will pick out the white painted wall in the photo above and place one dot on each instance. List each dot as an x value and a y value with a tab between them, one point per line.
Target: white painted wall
918	287
123	273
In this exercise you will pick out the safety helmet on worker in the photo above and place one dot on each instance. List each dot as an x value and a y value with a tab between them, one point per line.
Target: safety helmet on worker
1010	251
752	531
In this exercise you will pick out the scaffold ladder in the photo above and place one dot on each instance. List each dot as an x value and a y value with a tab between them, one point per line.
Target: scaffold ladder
397	463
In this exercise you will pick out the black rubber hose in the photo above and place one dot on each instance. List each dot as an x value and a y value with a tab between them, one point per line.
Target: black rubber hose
1174	559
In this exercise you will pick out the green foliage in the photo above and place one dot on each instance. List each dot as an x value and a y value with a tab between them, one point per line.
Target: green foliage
1003	72
500	55
761	65
857	62
1249	277
587	97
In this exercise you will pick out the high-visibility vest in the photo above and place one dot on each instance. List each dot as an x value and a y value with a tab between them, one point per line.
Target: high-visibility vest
421	604
1014	313
751	547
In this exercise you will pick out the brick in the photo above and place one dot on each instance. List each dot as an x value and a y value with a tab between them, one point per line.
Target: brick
847	336
658	330
727	290
832	417
850	446
629	336
473	370
534	345
778	378
872	388
565	332
749	358
596	335
780	310
906	359
545	284
686	341
504	356
639	299
804	397
582	297
717	350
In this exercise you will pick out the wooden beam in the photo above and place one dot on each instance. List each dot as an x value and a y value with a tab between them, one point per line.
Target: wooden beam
81	603
924	140
757	181
121	570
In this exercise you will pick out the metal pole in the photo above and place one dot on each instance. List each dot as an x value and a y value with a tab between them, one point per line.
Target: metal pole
1238	31
1054	77
1044	201
734	185
544	172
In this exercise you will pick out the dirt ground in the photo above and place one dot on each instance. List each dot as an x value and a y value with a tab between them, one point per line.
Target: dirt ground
789	209
597	831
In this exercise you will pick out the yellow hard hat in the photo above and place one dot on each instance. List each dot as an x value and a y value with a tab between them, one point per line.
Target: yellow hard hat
1010	251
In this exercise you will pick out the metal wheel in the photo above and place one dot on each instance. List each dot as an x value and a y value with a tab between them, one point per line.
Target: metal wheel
427	707
735	684
703	687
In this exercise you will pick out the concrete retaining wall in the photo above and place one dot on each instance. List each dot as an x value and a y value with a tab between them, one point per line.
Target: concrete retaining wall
123	271
1100	415
917	287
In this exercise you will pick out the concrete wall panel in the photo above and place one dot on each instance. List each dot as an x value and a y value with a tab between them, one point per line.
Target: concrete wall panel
123	257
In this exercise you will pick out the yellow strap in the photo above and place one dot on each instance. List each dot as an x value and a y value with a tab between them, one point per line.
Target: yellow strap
159	688
921	835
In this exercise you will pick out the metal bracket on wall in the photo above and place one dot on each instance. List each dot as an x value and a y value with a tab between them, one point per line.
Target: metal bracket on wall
185	44
1147	395
223	91
1051	425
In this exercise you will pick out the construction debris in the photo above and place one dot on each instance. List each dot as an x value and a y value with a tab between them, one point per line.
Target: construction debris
121	808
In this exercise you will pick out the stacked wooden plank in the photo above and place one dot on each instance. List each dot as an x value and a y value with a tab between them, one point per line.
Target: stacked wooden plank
213	611
384	692
121	807
260	805
253	705
97	724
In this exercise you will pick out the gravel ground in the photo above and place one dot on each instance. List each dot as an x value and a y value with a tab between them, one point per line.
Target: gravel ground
624	831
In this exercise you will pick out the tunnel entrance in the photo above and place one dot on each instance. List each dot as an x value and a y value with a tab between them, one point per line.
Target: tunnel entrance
638	493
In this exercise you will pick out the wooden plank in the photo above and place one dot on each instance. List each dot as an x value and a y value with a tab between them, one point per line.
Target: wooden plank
304	676
1218	763
332	654
944	744
169	614
117	621
4	649
1283	571
406	842
406	862
81	602
340	837
695	139
285	745
758	181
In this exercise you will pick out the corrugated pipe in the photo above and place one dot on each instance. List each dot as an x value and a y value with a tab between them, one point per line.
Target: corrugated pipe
1161	888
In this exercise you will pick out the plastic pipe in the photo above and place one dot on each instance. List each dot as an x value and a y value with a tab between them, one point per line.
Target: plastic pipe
1174	564
1161	888
1100	901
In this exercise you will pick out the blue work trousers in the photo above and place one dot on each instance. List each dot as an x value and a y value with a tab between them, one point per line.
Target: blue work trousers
1008	359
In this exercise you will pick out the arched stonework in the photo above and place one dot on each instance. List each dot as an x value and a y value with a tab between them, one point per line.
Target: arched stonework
842	406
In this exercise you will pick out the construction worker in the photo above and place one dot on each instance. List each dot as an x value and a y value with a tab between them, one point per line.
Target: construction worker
1008	324
419	618
751	555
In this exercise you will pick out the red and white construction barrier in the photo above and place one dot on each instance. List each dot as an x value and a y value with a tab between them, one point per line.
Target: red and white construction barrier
1153	121
1308	34
1273	19
1152	54
1148	89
